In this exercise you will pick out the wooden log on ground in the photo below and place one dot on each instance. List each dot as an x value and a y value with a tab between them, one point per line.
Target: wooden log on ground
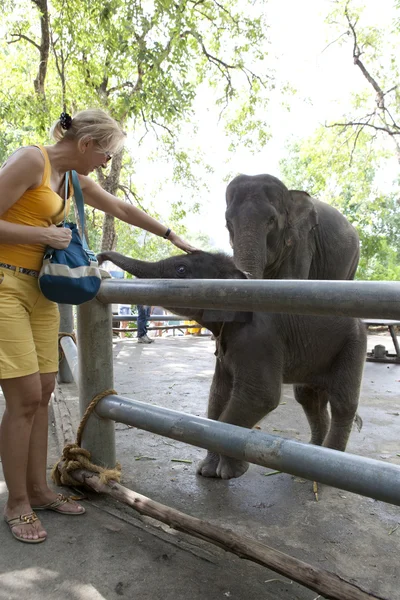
329	585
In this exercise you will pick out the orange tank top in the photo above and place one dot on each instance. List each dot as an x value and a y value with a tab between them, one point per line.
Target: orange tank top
39	207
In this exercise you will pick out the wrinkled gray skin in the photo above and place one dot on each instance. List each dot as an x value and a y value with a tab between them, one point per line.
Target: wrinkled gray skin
278	233
323	356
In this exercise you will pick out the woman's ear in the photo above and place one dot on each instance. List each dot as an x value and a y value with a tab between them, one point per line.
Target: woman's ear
84	144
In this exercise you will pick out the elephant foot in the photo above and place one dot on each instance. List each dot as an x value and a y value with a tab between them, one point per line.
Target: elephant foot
231	467
316	440
208	466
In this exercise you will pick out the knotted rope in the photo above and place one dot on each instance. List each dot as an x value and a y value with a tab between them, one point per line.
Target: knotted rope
60	350
74	457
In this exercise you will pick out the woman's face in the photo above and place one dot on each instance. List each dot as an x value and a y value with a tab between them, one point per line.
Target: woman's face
92	157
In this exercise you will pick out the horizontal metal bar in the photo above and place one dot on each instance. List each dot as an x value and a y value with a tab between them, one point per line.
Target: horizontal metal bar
71	354
118	318
364	299
357	474
162	327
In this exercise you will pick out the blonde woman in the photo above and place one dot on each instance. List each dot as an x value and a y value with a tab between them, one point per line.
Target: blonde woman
32	188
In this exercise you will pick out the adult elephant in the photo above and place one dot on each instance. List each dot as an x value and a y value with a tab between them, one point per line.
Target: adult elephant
278	233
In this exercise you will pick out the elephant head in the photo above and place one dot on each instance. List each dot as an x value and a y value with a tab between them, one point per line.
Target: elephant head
266	224
198	265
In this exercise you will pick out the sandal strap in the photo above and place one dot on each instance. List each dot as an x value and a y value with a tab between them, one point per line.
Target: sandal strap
27	519
61	499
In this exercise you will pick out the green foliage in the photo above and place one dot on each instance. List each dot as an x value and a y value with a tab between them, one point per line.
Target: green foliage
143	62
328	166
346	164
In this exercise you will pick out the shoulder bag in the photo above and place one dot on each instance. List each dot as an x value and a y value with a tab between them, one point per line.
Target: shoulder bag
71	275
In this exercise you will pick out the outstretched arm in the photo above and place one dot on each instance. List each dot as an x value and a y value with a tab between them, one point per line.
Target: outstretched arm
102	200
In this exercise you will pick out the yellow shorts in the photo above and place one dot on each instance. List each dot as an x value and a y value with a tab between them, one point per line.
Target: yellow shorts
29	325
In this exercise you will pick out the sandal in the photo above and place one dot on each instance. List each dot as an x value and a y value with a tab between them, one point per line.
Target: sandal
57	505
27	519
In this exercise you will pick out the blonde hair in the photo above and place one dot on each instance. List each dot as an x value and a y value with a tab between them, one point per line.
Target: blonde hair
94	124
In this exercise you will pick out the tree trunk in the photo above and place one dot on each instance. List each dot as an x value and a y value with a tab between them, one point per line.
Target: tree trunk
44	47
110	184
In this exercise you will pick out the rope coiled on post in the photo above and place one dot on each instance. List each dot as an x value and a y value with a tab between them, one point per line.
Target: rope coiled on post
74	457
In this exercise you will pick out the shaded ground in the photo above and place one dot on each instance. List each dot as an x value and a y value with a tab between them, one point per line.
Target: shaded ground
110	552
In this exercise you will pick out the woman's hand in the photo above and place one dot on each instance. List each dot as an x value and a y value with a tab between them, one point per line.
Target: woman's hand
180	243
58	237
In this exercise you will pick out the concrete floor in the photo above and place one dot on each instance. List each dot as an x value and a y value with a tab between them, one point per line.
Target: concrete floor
343	532
118	554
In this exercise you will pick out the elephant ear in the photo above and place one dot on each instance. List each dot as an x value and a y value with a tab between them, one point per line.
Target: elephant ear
302	216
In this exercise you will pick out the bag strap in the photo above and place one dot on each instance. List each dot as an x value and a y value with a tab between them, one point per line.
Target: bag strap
79	202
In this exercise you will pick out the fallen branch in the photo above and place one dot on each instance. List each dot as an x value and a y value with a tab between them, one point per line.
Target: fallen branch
331	586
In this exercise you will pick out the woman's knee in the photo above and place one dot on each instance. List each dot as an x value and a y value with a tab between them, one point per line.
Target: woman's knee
48	382
22	394
25	405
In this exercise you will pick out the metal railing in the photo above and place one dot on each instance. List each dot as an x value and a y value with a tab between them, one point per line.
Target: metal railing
373	478
157	318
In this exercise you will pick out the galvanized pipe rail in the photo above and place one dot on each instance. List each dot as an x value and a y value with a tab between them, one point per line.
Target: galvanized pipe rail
71	356
356	474
363	299
118	318
350	472
347	298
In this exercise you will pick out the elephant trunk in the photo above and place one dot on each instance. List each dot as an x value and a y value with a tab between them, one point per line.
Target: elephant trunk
250	254
138	268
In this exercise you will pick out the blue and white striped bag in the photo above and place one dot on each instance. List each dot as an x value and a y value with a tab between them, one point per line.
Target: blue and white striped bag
71	275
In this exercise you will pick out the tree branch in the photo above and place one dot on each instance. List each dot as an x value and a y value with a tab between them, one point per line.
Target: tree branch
381	113
163	126
356	58
21	36
128	191
355	123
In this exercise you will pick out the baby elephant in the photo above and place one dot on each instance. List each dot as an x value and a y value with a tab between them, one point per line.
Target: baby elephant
256	352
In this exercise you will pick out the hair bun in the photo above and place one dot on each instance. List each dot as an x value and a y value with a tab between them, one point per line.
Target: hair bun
65	120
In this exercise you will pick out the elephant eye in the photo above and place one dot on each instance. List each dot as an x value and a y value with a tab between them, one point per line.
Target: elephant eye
181	270
271	220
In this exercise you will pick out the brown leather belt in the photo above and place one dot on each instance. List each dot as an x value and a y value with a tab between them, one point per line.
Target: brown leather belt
30	272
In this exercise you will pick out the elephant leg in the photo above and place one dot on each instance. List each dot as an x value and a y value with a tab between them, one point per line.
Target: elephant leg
248	404
314	402
343	410
344	390
220	392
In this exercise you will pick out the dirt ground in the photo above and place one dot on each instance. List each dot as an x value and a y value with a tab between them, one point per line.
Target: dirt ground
355	537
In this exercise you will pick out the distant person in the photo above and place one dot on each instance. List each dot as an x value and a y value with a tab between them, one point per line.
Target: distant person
143	317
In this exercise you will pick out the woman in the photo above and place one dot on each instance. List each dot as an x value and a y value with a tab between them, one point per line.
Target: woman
31	205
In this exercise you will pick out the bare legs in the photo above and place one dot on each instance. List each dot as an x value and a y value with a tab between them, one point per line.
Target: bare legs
23	448
23	395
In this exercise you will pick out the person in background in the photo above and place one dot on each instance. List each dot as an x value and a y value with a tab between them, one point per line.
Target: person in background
143	317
